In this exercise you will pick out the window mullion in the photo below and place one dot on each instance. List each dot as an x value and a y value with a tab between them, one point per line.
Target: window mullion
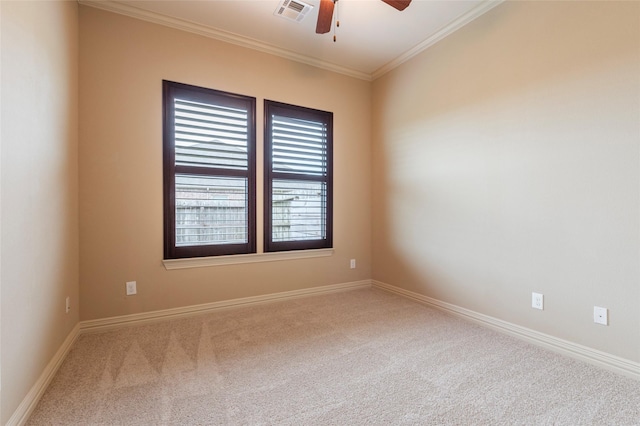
210	171
298	176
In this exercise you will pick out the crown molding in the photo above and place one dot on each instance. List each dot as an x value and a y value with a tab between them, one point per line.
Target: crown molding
226	36
229	37
443	32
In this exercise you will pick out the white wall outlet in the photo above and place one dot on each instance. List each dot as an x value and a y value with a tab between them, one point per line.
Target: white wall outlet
67	305
131	288
537	301
352	264
600	315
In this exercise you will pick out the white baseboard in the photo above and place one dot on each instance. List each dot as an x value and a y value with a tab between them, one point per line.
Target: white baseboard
28	404
593	356
154	316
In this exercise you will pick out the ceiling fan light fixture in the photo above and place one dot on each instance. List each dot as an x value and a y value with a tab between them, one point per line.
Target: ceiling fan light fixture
325	13
398	4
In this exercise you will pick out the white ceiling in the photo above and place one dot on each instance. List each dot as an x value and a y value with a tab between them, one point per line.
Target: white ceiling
372	38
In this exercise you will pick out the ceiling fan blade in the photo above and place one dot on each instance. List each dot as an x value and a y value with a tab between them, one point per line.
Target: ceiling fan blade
325	16
398	4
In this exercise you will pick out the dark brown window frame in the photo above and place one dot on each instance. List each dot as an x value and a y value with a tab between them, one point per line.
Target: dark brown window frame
170	90
294	111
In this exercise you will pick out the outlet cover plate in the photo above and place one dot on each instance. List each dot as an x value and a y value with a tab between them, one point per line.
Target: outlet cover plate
131	288
537	301
600	315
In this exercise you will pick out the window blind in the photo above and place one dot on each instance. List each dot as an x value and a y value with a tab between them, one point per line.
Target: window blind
299	146
209	172
210	135
298	177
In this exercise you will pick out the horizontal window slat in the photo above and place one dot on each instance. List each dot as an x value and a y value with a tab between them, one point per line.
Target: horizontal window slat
211	116
300	160
303	133
297	125
287	156
185	136
213	126
313	144
233	125
214	149
276	130
185	160
284	137
226	163
211	153
209	110
212	156
311	150
210	171
293	170
297	166
203	165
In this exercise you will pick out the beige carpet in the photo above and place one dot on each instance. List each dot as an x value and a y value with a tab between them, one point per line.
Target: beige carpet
358	357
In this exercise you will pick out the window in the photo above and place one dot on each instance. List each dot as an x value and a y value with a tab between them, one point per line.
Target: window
209	172
298	187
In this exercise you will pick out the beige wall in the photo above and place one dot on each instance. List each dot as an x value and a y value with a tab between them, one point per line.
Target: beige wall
506	161
122	64
39	189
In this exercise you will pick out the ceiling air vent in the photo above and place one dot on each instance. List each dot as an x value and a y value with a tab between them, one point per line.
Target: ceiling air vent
293	10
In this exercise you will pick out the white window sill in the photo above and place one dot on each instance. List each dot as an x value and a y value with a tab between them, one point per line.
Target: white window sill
201	262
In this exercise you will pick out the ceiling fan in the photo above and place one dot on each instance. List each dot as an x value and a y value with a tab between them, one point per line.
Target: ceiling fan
325	13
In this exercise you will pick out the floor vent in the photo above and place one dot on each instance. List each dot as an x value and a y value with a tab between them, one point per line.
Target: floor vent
294	10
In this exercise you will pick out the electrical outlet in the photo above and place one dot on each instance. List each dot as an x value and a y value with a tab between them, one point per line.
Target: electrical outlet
67	305
352	264
537	301
600	315
131	288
